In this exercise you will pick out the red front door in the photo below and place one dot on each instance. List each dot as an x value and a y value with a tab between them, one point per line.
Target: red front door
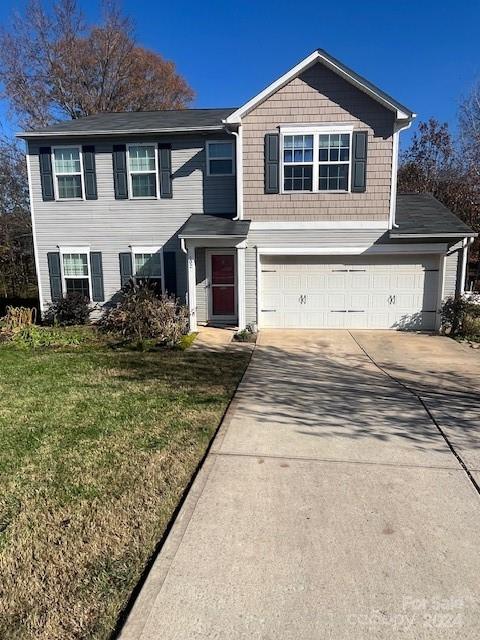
223	284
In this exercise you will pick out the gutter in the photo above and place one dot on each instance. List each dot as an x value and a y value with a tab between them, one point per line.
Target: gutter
406	236
26	135
463	274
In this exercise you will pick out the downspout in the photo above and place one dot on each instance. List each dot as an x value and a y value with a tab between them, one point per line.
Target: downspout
397	128
466	242
238	169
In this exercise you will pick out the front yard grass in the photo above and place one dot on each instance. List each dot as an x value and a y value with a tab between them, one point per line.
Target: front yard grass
97	446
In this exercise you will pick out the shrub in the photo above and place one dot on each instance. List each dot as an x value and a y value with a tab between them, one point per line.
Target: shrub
16	317
460	317
248	334
72	309
32	337
142	315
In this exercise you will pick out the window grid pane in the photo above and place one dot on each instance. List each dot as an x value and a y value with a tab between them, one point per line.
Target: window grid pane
220	150
298	178
75	265
333	177
148	265
69	187
78	285
219	167
298	149
67	160
144	185
141	158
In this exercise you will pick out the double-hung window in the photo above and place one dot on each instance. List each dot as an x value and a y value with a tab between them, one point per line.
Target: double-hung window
316	160
148	266
142	169
67	165
76	271
334	161
220	161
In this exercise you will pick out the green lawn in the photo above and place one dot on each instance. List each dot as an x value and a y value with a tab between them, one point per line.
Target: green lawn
97	446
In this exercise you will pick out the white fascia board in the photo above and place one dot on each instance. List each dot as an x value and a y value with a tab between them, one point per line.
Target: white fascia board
302	128
326	224
344	251
310	60
406	236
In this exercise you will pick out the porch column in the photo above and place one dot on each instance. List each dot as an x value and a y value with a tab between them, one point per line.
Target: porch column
192	290
241	286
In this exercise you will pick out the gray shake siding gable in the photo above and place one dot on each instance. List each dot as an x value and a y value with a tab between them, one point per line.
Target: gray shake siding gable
318	96
111	226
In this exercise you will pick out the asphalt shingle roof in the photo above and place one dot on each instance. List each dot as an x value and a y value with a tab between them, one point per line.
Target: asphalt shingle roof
422	214
202	225
137	122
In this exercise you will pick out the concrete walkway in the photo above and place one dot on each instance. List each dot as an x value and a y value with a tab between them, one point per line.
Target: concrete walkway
330	506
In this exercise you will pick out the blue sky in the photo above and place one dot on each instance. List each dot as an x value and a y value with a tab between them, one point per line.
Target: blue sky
424	53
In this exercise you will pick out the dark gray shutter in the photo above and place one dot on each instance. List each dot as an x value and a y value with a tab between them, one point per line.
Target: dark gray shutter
170	272
125	268
89	173
55	275
96	274
120	171
272	163
46	174
165	167
359	158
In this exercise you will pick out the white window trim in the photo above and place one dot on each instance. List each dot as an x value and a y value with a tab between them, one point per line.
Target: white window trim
151	250
315	131
67	250
55	174
129	172
232	158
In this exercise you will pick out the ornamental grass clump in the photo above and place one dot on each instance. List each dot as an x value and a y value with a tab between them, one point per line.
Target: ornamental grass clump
142	315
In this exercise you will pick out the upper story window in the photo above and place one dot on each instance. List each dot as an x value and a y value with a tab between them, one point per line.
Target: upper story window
315	161
142	169
220	159
76	272
334	160
148	266
67	165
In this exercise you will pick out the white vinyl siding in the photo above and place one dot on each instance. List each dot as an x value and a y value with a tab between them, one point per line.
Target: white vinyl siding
113	226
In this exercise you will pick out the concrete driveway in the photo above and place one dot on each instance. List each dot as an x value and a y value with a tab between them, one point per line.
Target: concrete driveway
331	505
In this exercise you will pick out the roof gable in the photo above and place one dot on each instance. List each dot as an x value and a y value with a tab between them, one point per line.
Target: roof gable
320	56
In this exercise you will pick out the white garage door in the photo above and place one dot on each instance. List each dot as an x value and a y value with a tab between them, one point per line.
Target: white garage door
374	292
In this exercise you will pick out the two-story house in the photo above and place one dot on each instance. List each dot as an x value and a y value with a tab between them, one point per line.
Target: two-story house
283	212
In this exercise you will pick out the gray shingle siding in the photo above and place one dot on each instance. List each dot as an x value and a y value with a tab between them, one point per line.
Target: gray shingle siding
112	226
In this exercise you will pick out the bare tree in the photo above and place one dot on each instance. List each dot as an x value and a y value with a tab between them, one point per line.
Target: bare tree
434	164
55	66
17	271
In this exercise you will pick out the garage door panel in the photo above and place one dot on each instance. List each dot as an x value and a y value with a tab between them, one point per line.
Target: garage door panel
356	292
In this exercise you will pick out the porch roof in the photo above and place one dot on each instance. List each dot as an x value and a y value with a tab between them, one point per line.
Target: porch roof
200	225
